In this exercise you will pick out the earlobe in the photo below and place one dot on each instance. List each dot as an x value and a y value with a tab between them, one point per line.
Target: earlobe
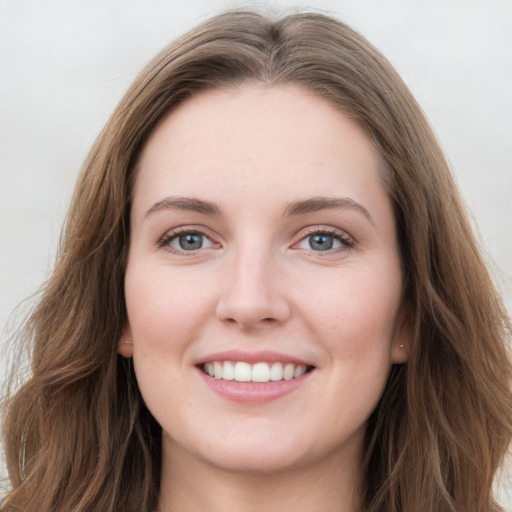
125	344
401	346
400	351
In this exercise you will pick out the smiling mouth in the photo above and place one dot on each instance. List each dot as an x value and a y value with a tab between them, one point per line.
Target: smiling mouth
262	372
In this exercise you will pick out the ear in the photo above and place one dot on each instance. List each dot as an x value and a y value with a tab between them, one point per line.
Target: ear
401	345
125	344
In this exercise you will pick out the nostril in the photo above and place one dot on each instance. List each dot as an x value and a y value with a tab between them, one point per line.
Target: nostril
242	322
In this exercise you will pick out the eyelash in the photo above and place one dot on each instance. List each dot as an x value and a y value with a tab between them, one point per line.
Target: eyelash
170	236
346	241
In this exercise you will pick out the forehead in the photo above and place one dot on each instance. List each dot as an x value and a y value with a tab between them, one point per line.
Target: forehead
271	140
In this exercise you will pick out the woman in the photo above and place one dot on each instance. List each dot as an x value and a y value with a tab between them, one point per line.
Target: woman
267	296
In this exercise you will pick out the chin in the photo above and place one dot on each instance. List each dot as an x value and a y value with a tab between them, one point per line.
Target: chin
258	461
238	453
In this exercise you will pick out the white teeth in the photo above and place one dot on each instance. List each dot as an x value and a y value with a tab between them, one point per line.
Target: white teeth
288	371
228	372
217	370
243	372
299	370
276	372
259	372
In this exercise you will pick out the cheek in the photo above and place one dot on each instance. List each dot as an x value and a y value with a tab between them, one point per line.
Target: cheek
355	312
164	318
163	309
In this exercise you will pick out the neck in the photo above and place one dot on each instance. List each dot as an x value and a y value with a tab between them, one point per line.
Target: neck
191	485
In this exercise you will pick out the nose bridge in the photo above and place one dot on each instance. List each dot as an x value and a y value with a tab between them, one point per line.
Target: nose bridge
251	275
252	294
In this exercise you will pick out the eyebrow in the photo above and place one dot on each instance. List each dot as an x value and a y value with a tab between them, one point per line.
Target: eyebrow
185	203
316	204
299	207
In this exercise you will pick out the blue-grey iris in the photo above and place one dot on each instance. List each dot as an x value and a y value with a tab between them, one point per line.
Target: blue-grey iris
321	242
191	241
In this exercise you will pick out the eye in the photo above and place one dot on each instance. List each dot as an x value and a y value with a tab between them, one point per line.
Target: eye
321	242
185	241
325	240
188	242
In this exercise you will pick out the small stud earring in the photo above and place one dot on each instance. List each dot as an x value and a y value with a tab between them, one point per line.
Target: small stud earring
401	346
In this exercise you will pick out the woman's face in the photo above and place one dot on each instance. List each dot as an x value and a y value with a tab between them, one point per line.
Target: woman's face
263	245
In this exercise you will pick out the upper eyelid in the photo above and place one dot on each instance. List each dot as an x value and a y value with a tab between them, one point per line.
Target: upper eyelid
346	240
320	228
181	230
189	228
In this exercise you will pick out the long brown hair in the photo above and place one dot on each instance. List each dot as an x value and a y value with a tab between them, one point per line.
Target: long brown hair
77	434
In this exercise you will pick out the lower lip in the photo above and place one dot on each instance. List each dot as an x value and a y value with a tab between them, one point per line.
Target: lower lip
253	392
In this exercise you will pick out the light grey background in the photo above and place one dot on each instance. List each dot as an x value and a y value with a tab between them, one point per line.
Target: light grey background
64	64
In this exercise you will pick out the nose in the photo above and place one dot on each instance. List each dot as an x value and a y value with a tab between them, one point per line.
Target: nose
254	293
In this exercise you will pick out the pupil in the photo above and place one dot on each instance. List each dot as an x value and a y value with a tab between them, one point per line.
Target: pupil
191	241
321	242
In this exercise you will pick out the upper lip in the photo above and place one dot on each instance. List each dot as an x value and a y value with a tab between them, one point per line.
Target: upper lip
266	356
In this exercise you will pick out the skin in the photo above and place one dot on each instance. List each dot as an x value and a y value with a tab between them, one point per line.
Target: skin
258	283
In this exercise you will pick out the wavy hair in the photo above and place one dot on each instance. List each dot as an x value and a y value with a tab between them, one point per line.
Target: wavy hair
77	434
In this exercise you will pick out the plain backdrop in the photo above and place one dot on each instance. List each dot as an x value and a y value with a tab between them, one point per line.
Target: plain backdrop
64	64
